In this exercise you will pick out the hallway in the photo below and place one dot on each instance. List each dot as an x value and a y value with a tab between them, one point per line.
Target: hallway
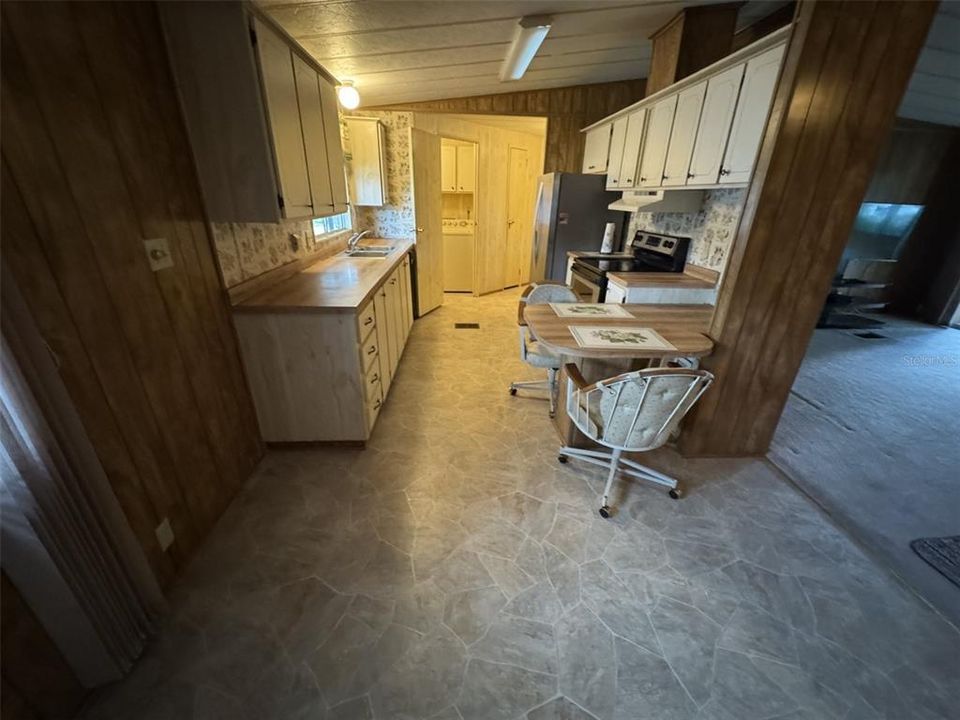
454	569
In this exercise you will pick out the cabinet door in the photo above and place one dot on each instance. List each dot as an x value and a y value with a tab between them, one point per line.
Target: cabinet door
615	159
596	146
366	174
314	140
656	141
448	167
466	168
750	118
331	129
631	149
388	350
718	107
682	136
395	322
283	117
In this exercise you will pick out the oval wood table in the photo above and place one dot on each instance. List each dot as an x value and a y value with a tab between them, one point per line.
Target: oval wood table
683	326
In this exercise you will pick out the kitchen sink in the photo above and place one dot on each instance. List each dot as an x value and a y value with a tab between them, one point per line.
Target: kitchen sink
370	251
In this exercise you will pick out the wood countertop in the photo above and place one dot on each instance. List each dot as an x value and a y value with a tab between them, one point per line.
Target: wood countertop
597	254
683	326
333	284
682	280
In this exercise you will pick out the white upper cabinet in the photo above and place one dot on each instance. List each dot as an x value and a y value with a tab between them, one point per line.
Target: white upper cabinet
750	119
261	115
368	167
331	129
283	114
656	142
466	168
595	150
314	137
614	160
682	136
458	167
718	107
631	149
448	168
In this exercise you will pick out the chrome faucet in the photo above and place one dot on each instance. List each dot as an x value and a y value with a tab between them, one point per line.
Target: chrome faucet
354	239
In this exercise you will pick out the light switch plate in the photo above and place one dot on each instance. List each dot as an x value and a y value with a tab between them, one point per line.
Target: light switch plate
158	253
164	534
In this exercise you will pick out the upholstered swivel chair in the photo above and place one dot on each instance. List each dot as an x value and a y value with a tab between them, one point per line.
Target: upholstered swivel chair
531	351
633	412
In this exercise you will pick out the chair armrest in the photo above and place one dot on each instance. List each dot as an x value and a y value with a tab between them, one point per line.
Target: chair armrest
573	372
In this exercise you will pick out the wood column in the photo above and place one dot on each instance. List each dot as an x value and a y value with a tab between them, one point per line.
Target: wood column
847	66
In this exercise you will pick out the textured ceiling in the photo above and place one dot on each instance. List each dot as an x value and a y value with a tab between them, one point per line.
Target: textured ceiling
934	91
407	51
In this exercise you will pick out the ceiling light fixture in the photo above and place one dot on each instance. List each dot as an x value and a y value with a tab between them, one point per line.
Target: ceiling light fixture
527	38
348	95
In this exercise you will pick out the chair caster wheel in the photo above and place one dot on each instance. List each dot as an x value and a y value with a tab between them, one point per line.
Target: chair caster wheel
605	511
562	459
513	391
675	493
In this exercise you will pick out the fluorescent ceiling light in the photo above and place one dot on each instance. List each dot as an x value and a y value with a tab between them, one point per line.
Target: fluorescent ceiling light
348	95
527	38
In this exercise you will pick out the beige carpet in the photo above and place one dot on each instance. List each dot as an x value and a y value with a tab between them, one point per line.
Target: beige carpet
872	432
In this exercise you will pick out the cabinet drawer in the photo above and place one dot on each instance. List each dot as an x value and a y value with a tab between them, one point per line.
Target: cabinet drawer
369	351
371	383
373	404
366	320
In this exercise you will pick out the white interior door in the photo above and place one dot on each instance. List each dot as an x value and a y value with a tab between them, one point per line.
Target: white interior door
425	161
718	107
685	123
518	207
655	143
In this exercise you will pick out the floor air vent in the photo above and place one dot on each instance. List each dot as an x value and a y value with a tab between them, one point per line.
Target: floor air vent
467	326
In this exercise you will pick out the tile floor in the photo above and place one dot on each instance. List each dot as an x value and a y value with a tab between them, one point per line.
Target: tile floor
454	570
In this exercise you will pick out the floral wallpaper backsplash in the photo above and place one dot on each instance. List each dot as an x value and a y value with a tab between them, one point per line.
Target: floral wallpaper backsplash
246	250
395	219
711	231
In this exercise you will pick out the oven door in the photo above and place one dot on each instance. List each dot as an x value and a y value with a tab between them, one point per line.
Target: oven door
588	289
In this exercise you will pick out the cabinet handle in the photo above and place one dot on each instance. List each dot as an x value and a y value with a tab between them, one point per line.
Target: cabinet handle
375	378
629	180
377	404
591	167
665	177
643	179
393	281
690	175
372	350
724	172
368	321
419	229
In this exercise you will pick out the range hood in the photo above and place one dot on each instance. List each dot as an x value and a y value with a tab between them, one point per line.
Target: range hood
679	201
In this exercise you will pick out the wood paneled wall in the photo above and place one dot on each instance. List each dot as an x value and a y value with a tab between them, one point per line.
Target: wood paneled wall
567	111
846	68
95	159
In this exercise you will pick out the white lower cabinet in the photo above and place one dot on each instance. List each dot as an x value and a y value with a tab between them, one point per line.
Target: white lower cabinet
323	375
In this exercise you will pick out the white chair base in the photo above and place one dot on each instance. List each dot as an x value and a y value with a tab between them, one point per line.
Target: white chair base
615	462
550	385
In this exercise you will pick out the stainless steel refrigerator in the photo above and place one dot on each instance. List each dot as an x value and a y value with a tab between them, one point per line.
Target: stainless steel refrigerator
571	214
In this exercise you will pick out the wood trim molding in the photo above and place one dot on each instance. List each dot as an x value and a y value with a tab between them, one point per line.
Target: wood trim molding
847	66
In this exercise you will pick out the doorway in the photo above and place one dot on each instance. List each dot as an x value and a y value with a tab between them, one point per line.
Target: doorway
458	185
517	257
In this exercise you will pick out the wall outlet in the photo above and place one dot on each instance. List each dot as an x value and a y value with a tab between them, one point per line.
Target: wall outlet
165	534
158	253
